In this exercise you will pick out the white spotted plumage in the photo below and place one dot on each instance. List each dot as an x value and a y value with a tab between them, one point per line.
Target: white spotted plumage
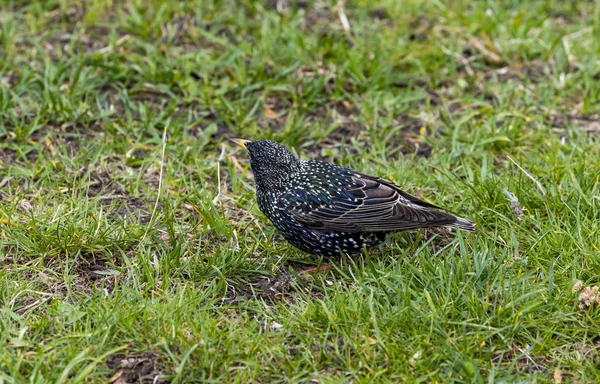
318	206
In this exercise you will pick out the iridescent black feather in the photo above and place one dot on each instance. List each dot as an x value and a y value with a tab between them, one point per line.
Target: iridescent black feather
322	208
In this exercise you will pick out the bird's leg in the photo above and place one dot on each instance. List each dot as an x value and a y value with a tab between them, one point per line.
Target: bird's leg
321	268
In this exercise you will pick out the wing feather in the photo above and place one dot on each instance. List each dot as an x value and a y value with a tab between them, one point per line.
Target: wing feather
366	203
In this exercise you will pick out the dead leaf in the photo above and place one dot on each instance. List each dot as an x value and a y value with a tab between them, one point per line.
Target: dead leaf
50	146
557	376
269	113
115	378
164	236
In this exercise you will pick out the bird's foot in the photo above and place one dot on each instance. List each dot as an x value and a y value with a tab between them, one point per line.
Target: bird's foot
312	271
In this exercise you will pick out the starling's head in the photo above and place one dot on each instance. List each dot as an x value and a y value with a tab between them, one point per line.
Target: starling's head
271	162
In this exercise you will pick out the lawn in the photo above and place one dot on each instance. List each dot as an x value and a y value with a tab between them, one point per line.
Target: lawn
131	246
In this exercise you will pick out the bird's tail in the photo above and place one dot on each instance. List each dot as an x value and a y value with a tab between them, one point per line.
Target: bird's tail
464	224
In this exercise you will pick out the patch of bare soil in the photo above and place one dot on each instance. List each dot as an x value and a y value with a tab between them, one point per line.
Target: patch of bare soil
421	28
46	142
283	286
94	273
274	112
275	288
280	5
315	12
342	114
22	305
118	202
135	368
271	289
95	39
10	80
327	351
533	72
131	207
140	95
589	124
411	137
524	360
7	156
590	350
90	274
92	38
379	14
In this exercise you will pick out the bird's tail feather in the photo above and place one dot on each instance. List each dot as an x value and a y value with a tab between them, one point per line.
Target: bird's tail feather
464	224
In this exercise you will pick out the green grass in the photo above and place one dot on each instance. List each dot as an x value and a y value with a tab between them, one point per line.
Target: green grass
457	102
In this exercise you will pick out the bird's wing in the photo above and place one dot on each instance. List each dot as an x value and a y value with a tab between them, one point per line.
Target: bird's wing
364	203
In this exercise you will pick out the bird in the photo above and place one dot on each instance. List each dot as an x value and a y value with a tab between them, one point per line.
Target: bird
326	209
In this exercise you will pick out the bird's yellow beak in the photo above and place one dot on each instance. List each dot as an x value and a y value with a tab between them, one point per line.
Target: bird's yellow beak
241	142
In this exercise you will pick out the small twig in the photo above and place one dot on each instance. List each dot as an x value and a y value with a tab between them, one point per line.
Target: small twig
111	197
14	299
466	64
99	220
343	17
539	185
109	48
478	45
32	305
27	307
219	194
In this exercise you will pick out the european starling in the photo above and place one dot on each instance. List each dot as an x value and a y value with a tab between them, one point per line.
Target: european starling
324	209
